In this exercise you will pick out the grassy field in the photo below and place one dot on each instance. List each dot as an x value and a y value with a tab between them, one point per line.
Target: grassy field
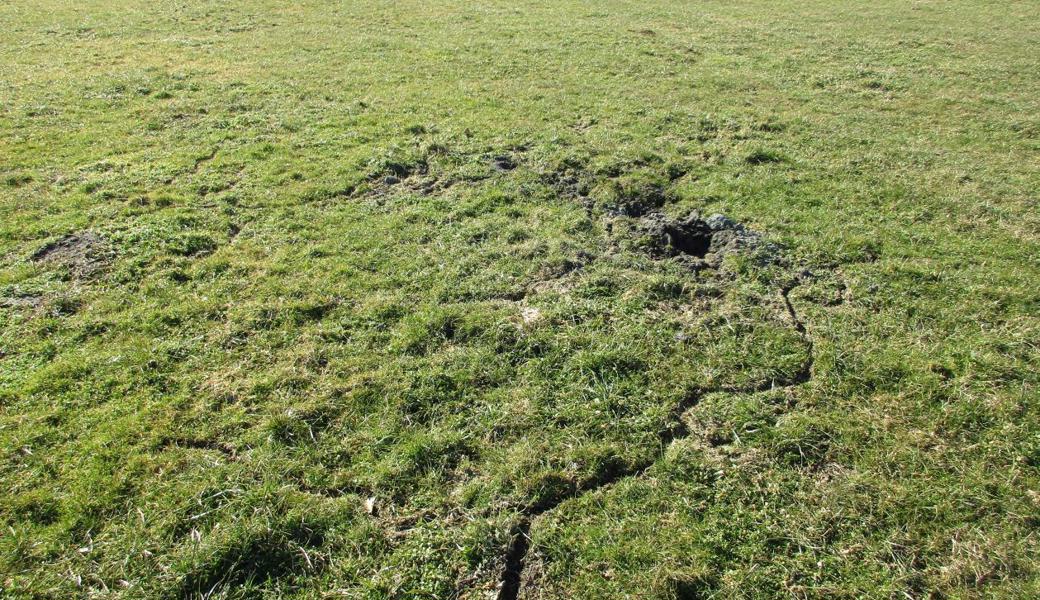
363	299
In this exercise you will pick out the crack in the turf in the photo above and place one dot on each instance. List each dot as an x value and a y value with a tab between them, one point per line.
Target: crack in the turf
511	581
205	158
200	444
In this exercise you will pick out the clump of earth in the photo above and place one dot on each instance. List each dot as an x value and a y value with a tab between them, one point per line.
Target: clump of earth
702	243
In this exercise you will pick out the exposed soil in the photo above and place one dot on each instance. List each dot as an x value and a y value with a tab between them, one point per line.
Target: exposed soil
503	163
702	243
400	176
23	301
83	254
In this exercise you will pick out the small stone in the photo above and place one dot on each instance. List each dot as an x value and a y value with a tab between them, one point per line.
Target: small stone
391	180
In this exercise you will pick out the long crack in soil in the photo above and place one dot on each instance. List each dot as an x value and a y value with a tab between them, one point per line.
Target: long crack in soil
511	581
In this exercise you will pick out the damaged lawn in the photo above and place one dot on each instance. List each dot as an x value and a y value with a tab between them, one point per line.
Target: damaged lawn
567	301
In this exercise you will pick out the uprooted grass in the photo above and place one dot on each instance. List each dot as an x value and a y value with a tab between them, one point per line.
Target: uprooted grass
326	318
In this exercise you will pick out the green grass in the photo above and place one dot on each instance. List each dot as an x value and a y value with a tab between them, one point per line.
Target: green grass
235	362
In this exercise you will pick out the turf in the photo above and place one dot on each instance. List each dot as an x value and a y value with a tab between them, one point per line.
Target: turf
354	300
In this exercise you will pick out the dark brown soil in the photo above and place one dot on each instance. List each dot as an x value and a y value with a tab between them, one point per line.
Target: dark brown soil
82	254
702	243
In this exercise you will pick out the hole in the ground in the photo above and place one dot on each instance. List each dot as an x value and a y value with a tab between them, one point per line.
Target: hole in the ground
693	239
503	163
704	242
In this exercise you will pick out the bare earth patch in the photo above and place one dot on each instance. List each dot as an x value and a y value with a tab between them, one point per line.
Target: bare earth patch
82	254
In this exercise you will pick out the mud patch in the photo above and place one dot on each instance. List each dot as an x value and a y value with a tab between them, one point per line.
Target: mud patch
640	195
83	254
702	243
392	172
503	163
570	180
22	301
516	552
414	178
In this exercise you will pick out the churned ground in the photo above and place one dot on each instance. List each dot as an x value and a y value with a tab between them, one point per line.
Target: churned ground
432	299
